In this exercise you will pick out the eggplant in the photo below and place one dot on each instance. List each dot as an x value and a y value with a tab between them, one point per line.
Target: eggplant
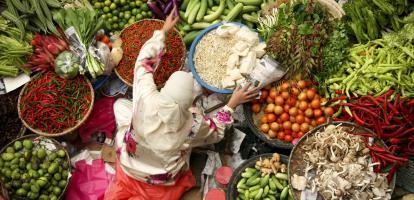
168	7
154	8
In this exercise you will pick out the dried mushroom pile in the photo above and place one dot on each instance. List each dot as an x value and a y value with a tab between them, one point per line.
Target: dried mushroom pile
342	167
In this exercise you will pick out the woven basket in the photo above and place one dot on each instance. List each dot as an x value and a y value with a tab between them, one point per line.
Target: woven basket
48	141
158	69
297	163
405	177
69	130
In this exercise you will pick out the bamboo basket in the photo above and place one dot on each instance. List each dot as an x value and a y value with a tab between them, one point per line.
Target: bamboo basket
46	142
158	68
67	131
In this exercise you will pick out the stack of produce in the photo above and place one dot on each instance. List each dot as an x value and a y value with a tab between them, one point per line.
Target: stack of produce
296	34
46	49
31	171
377	66
268	180
85	24
51	104
199	14
136	35
32	15
290	110
121	13
366	19
337	164
14	49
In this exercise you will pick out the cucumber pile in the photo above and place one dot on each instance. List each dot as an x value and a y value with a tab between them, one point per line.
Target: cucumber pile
254	185
200	14
32	172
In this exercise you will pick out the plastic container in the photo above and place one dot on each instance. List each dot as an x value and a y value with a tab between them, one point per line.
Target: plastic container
223	175
215	194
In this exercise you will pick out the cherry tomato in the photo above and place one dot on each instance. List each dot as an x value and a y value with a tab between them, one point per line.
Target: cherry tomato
329	111
263	120
286	108
281	135
315	104
284	117
291	101
272	133
285	95
278	110
256	108
292	119
300	134
288	138
271	117
270	108
320	120
273	94
302	96
301	84
295	127
293	111
269	100
304	127
309	112
287	125
264	95
295	91
285	86
275	126
303	105
299	119
317	113
310	94
279	101
264	128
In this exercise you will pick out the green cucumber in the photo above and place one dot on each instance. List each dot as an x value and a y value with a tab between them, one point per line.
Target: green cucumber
202	11
249	9
284	193
217	13
234	12
190	37
193	13
250	2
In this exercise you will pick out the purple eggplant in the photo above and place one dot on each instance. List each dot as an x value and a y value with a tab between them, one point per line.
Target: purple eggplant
177	6
154	8
168	8
161	4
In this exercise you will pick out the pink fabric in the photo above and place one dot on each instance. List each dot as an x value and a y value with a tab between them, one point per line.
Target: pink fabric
224	117
102	119
88	182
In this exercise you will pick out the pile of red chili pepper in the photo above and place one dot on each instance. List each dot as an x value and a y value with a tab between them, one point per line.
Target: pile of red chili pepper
52	104
135	36
391	121
46	49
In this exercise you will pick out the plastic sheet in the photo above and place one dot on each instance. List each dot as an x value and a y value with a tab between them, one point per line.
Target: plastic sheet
89	181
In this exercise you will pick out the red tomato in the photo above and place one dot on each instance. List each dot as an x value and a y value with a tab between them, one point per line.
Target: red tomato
274	126
288	138
263	120
310	94
315	104
285	95
278	110
304	127
295	91
270	108
294	135
293	111
299	119
307	120
284	117
269	100
329	111
320	120
291	101
292	119
279	101
309	112
264	128
286	108
302	96
265	94
317	113
301	84
303	105
287	125
271	133
271	117
295	127
281	135
288	132
300	134
285	86
256	108
273	94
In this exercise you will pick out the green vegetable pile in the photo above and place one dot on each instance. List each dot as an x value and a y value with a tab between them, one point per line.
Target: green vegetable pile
377	66
200	14
255	186
121	13
32	15
366	19
334	53
15	47
32	172
297	35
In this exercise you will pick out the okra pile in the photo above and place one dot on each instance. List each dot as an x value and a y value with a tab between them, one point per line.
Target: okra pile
254	185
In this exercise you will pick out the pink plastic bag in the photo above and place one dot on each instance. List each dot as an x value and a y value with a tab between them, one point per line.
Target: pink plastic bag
88	182
102	119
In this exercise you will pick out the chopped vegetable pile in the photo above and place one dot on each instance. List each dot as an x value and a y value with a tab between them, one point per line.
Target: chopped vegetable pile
136	35
52	104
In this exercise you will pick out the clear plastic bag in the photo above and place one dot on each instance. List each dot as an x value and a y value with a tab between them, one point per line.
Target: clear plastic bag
266	71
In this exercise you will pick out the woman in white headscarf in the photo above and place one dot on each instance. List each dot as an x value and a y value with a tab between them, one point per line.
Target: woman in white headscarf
156	138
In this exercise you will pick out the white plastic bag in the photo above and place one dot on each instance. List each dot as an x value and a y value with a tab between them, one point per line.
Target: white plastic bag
266	71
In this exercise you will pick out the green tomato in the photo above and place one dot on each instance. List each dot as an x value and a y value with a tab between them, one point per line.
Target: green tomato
144	7
115	18
134	11
121	14
27	144
103	16
115	12
112	6
109	15
57	191
127	16
121	24
115	26
139	16
107	3
123	2
41	154
138	3
144	14
98	5
149	14
10	150
18	145
106	9
117	1
131	20
132	4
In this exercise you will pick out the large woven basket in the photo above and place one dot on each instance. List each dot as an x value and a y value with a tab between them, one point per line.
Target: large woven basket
67	131
46	141
158	68
297	163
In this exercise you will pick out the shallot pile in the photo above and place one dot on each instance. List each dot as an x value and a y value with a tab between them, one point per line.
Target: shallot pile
342	166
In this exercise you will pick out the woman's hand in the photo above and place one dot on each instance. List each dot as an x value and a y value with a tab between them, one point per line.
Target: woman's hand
243	95
171	20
